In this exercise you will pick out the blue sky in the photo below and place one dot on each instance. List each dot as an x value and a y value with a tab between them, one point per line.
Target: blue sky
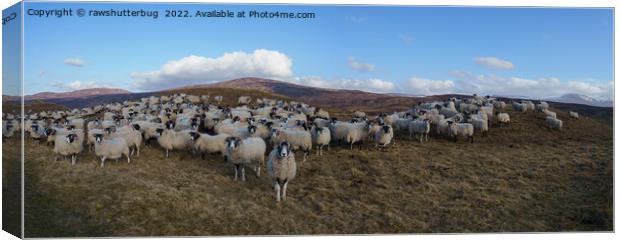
535	52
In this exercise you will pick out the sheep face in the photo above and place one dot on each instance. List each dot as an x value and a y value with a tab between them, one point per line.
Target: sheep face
98	137
136	127
170	124
194	136
252	129
386	128
48	132
232	143
284	150
71	138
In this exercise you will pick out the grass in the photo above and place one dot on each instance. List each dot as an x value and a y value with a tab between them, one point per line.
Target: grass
522	178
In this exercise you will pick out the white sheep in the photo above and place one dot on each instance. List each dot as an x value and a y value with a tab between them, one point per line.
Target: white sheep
321	136
461	129
356	133
282	168
542	106
241	152
480	124
110	148
502	118
132	136
243	100
384	136
173	140
519	107
359	114
205	143
218	99
299	139
554	123
573	115
549	113
421	127
68	145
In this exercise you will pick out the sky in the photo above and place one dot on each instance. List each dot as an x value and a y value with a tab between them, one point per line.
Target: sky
531	52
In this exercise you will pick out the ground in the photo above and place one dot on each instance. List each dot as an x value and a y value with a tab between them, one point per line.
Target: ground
523	177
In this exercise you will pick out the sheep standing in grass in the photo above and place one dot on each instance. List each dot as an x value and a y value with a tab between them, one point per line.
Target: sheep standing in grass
549	113
244	100
356	133
298	139
110	148
321	136
171	140
519	107
218	99
573	115
68	145
282	168
480	124
542	106
205	143
420	127
132	136
246	151
461	129
502	118
384	136
554	123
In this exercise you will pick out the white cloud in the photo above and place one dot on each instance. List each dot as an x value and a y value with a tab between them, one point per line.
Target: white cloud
78	85
76	62
544	87
421	86
369	85
494	63
360	66
197	69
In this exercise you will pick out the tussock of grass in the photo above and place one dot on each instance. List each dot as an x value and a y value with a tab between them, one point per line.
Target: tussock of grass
523	177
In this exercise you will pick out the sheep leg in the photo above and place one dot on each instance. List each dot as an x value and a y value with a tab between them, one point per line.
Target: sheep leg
102	160
471	139
276	187
128	159
167	153
243	172
236	171
138	150
73	159
202	156
306	152
284	190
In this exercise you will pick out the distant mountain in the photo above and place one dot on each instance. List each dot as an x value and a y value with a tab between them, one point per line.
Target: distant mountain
69	95
582	99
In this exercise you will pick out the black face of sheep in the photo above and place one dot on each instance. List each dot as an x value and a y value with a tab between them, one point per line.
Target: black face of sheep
98	137
232	143
216	120
35	127
71	137
109	130
48	132
284	150
70	127
170	124
269	124
194	135
136	127
236	119
252	129
386	129
159	131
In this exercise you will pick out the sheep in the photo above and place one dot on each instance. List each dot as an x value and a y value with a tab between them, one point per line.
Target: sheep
110	148
421	127
500	105
205	143
359	114
68	145
171	140
148	130
321	113
554	123
549	113
298	139
218	99
573	115
90	138
480	124
356	133
321	136
542	106
8	129
243	100
384	136
132	136
519	107
502	118
241	152
282	168
462	129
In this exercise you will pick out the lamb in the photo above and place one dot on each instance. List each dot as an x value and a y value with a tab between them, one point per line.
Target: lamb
554	123
298	139
384	136
205	143
242	152
244	100
462	129
549	113
321	136
421	127
68	145
110	148
502	118
282	168
573	115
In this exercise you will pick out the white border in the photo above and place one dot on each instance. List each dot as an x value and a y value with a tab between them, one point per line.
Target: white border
545	3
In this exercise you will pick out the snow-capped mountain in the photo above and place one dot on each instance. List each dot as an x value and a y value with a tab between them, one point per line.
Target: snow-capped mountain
582	99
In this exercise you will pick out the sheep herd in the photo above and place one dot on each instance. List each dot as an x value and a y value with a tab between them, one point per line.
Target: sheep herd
243	135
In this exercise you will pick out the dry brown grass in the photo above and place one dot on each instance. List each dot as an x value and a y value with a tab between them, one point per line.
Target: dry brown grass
523	177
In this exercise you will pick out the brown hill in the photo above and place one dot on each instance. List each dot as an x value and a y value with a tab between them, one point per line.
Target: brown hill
69	95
